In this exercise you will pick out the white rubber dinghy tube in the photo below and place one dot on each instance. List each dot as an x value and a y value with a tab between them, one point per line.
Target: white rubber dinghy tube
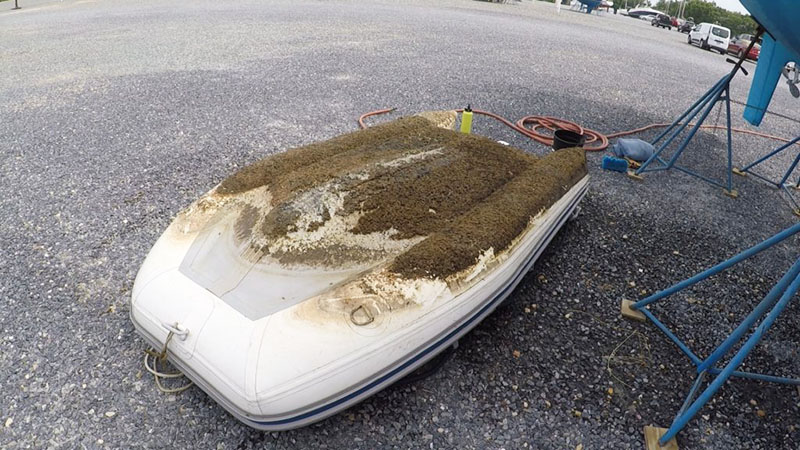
285	370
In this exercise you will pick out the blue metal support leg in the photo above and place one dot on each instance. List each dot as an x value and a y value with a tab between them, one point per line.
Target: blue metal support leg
735	362
771	154
787	233
751	319
709	107
767	311
703	106
710	97
781	184
720	91
696	104
730	138
790	170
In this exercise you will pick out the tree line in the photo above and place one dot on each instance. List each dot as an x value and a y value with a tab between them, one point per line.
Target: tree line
702	11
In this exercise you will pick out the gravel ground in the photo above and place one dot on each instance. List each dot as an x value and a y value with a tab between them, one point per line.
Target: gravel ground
115	115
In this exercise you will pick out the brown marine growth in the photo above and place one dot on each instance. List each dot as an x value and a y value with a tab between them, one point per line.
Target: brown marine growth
495	221
463	193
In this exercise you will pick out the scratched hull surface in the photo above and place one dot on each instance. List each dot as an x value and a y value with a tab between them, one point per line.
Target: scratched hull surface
312	279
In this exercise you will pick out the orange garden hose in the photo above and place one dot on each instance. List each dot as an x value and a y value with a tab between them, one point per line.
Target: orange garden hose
530	127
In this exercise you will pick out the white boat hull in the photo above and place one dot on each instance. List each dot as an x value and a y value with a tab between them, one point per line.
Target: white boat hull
248	365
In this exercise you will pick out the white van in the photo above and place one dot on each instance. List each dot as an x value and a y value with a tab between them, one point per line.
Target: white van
710	36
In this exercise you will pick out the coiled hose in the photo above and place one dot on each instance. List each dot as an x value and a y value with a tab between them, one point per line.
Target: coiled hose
533	126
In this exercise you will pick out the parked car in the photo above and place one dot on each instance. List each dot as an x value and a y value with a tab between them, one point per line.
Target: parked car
662	21
739	45
710	36
686	26
647	17
675	22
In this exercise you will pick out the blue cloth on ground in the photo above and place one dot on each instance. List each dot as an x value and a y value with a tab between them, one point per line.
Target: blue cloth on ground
635	149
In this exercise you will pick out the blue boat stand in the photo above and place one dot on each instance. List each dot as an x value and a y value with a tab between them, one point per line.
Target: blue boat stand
766	312
783	184
703	106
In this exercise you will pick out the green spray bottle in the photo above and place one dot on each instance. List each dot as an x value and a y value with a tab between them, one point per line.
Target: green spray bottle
466	120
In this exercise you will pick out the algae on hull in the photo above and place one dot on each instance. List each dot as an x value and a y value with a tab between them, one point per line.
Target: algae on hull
425	200
496	221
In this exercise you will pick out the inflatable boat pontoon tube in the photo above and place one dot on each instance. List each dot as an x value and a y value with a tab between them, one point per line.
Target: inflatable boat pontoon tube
293	300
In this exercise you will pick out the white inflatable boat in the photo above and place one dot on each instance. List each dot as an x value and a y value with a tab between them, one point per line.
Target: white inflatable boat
315	278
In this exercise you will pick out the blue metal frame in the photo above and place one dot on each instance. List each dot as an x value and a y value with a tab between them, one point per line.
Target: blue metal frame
782	184
703	106
766	311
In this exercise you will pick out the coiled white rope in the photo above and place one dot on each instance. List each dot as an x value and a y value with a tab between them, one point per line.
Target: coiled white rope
161	357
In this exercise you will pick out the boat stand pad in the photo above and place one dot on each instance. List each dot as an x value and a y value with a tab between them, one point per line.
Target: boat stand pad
653	434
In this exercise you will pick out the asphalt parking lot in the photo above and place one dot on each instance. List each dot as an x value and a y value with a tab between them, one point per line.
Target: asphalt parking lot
115	115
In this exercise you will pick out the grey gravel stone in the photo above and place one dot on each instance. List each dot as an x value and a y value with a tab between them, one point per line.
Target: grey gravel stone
115	115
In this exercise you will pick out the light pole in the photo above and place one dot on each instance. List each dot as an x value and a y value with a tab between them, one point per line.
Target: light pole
16	4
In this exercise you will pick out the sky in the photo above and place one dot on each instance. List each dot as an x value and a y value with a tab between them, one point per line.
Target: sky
732	5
